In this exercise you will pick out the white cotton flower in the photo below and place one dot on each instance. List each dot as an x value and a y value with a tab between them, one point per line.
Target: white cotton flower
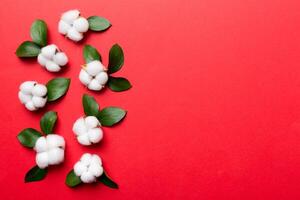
88	168
33	95
50	150
93	75
88	130
73	25
52	58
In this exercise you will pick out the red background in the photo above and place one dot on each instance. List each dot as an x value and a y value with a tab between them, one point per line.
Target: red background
214	112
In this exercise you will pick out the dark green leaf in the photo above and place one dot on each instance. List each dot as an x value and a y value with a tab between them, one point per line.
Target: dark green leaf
28	137
98	23
35	174
90	106
110	116
90	54
118	84
116	59
57	87
72	180
106	180
48	121
38	32
28	49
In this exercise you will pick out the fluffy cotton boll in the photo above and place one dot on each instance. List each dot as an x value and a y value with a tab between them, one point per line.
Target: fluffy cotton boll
30	106
91	122
41	160
84	139
84	77
79	127
41	145
54	141
27	86
42	60
39	102
95	135
102	78
24	98
79	168
95	67
52	66
86	159
74	35
63	27
49	51
39	90
70	16
87	177
60	58
55	156
81	24
95	85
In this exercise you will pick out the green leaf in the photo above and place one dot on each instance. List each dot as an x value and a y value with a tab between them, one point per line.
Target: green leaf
90	54
110	116
98	23
72	180
35	174
90	106
118	84
57	87
116	59
38	32
106	180
28	49
28	137
48	121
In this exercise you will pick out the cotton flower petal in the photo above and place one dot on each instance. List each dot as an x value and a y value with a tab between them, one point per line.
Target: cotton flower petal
63	27
84	139
27	86
41	145
79	126
41	160
55	156
54	141
95	135
95	67
87	177
96	170
74	35
95	85
42	59
30	106
24	98
70	16
81	24
52	66
49	51
84	77
39	102
60	58
102	78
91	122
86	159
39	90
79	168
96	160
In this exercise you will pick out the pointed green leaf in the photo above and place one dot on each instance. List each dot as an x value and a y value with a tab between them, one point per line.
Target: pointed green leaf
72	180
38	32
28	49
98	23
118	84
28	137
116	59
48	121
35	174
90	106
110	116
106	180
57	87
90	54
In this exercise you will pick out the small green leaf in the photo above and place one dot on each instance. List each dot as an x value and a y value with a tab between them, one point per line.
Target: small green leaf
28	137
72	180
118	84
48	121
38	32
57	87
90	106
35	174
90	54
106	180
110	116
98	23
28	49
116	59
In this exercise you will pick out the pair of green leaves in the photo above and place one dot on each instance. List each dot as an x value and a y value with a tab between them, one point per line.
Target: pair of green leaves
38	33
116	61
28	138
72	180
108	116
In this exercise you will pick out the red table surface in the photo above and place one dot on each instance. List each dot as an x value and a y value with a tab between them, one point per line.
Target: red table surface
214	112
